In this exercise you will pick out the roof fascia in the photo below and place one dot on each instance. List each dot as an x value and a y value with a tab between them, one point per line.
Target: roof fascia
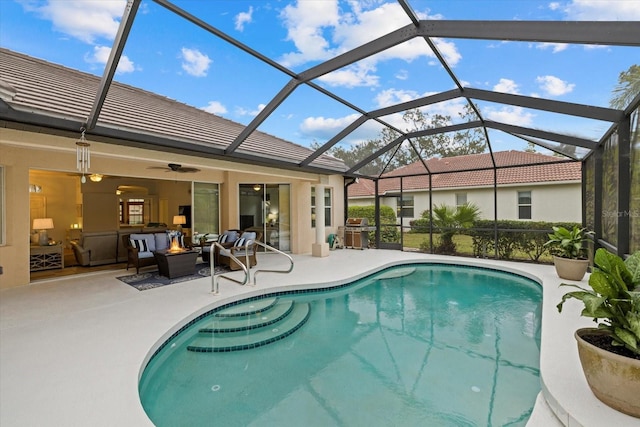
30	122
569	108
621	33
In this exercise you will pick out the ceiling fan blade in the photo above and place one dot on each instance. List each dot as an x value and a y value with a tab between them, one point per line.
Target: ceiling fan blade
188	170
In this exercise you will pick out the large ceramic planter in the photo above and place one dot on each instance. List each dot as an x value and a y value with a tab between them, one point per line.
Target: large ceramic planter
570	269
613	379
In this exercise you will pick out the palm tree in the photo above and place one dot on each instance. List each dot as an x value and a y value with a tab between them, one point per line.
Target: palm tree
451	220
628	87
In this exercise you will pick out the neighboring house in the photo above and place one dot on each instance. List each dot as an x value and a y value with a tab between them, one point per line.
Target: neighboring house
545	189
137	136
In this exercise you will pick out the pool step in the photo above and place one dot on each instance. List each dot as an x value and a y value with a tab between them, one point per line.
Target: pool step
249	307
216	338
253	320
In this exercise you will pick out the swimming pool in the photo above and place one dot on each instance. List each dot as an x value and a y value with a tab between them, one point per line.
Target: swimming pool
420	344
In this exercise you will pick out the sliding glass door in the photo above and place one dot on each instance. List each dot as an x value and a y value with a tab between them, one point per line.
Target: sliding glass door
266	208
206	208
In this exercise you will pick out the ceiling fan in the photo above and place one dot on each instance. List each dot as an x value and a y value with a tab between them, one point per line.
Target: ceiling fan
174	167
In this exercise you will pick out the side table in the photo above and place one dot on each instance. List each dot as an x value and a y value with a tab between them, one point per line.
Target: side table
46	257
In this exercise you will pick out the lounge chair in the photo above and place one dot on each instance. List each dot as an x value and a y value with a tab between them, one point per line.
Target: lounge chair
246	244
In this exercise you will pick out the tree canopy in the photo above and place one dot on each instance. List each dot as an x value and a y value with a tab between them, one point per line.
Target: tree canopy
469	141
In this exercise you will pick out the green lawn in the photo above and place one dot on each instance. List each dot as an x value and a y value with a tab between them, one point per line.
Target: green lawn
464	246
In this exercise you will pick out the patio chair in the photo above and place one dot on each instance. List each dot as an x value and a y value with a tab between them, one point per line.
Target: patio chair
241	247
226	239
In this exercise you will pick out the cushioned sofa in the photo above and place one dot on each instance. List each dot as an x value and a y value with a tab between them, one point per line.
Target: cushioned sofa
96	248
140	247
105	247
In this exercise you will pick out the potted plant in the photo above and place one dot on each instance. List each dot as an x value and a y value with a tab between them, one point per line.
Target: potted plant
569	252
610	353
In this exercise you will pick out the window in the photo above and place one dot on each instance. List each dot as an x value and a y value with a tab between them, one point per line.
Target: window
134	212
461	199
404	207
524	204
327	207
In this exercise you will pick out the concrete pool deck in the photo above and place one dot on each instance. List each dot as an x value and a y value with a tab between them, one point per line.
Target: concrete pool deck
72	349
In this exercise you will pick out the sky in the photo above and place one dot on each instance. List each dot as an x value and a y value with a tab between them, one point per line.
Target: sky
167	55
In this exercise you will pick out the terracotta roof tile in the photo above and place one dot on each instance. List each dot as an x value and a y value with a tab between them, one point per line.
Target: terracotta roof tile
547	169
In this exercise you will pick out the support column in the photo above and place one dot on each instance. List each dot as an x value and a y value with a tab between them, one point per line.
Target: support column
320	248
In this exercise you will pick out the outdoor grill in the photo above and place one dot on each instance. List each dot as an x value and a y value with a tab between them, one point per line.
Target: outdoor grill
356	233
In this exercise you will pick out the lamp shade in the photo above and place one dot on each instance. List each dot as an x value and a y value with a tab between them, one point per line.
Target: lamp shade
179	220
42	224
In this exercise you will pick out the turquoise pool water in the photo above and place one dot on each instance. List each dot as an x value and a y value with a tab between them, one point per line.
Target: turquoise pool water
415	345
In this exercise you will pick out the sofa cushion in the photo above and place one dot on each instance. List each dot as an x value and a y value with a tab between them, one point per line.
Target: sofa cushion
148	238
140	245
146	254
229	236
249	235
161	241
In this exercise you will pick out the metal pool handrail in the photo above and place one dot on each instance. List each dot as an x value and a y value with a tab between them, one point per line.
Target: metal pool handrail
216	278
271	248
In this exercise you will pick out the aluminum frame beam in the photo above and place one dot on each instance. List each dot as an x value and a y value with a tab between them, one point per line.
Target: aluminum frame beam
622	33
112	63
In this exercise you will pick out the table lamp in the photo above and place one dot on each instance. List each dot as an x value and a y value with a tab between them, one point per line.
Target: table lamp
179	220
42	225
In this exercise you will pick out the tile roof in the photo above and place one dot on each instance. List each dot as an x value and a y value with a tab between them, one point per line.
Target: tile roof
540	168
32	85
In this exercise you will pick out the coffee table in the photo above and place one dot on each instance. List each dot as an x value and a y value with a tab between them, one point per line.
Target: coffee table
176	263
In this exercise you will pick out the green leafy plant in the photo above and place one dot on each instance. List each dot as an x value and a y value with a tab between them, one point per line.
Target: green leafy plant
568	243
450	220
614	298
202	239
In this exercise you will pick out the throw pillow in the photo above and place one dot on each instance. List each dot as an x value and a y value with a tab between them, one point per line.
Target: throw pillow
223	238
240	242
140	245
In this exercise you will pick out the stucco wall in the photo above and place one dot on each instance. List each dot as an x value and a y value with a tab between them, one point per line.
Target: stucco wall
554	201
22	151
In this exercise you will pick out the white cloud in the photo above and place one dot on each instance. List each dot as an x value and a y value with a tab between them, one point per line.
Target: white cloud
101	54
506	86
215	107
320	30
324	128
390	97
244	18
554	86
599	10
244	112
305	23
355	75
195	62
85	20
554	5
555	47
509	115
402	75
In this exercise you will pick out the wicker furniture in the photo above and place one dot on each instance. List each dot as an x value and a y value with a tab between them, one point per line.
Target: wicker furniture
242	247
176	263
226	239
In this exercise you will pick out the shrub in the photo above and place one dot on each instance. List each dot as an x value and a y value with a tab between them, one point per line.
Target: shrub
388	233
